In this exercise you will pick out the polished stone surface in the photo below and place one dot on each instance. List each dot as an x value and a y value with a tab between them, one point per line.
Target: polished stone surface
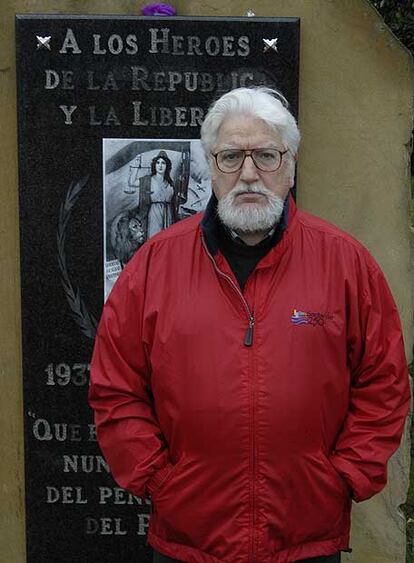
98	98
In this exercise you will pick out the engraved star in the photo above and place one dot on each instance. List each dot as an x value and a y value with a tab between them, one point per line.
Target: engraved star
270	44
43	42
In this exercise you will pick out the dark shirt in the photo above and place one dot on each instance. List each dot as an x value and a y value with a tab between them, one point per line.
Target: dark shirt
242	258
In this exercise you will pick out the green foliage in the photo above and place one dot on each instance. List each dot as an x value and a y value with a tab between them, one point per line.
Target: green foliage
399	16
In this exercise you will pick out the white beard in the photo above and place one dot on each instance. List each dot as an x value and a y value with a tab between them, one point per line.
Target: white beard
250	217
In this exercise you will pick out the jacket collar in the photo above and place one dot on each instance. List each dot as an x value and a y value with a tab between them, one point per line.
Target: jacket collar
209	223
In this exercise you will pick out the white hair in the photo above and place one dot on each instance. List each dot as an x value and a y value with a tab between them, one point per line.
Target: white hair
250	218
258	101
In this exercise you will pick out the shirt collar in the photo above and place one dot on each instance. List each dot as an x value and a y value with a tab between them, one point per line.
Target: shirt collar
236	237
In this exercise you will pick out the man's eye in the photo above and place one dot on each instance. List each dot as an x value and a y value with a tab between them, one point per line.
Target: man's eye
230	156
267	155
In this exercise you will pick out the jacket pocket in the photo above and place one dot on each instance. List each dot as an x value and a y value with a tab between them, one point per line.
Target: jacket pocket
305	501
173	470
337	479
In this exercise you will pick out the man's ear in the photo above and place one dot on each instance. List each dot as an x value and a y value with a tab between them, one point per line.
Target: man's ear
295	156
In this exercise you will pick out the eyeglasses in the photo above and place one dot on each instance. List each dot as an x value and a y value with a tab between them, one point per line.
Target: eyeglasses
232	160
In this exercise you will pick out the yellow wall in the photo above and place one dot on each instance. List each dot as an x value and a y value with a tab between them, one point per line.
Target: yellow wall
356	116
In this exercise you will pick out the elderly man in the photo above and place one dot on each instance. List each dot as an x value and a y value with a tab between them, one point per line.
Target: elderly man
249	372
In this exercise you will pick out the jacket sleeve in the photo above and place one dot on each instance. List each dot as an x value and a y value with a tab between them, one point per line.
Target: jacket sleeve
379	395
127	428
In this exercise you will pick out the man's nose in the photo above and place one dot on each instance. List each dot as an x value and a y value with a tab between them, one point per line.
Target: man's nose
249	171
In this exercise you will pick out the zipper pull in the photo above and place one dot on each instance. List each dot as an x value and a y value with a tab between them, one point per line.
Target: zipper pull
248	339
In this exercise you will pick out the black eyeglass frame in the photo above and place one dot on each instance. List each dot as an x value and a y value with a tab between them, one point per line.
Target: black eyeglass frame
249	153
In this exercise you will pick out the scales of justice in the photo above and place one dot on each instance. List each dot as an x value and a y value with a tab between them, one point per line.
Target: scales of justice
134	175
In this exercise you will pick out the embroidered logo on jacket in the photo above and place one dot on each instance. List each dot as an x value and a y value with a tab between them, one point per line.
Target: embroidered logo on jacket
308	318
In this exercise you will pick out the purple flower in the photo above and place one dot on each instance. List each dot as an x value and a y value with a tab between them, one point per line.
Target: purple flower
158	9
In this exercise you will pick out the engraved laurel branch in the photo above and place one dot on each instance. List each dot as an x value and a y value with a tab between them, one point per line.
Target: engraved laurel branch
80	313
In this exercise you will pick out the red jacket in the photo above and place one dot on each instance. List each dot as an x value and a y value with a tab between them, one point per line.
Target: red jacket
250	419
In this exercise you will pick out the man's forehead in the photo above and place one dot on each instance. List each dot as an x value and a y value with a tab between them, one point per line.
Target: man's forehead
237	130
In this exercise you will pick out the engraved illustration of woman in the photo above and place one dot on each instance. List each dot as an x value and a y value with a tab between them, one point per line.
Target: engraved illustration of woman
156	196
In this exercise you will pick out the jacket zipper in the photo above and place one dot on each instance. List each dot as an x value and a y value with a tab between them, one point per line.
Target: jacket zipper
248	341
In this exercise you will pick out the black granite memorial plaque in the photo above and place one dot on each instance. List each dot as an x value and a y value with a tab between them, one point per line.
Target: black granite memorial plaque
101	100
